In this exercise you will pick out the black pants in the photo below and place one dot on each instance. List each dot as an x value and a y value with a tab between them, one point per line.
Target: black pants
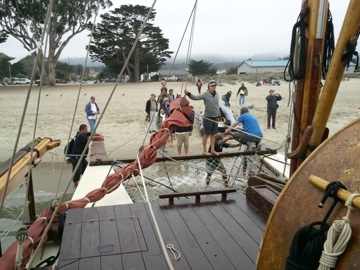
271	113
80	171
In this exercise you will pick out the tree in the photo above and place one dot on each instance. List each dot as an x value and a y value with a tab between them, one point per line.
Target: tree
201	67
115	35
24	20
232	70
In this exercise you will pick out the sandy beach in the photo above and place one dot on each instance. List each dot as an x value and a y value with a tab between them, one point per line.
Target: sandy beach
123	123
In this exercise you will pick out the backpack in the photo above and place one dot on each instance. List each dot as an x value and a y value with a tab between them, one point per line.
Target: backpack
69	147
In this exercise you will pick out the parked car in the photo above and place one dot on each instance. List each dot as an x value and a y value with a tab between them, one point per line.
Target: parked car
2	83
21	81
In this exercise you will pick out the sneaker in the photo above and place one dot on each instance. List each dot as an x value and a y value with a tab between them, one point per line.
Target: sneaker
274	127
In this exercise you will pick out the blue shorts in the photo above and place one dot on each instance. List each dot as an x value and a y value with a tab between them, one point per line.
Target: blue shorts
210	125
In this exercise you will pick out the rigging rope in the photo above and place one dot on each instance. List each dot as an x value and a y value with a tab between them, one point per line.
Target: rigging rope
329	45
297	60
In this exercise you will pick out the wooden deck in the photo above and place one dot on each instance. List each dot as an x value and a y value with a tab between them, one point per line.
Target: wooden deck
214	235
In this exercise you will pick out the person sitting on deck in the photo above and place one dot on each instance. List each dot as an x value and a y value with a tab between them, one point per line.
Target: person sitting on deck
251	131
215	163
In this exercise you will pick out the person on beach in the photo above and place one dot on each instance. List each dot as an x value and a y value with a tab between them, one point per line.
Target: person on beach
81	139
171	95
151	113
211	116
199	85
92	110
183	134
215	163
251	131
272	107
243	92
226	98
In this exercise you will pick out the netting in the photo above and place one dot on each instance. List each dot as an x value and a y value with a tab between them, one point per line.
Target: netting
174	176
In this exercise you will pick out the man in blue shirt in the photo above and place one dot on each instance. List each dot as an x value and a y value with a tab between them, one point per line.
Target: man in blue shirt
251	131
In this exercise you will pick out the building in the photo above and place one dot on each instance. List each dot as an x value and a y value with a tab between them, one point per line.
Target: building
262	66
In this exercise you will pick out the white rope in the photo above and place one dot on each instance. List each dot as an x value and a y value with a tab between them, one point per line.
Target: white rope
338	236
171	267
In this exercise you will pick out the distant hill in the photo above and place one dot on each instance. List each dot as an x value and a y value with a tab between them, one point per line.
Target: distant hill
81	61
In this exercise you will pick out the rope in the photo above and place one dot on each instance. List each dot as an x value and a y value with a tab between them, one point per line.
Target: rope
306	248
297	61
338	237
171	267
329	45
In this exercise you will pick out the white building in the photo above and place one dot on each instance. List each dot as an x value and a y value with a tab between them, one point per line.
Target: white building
261	66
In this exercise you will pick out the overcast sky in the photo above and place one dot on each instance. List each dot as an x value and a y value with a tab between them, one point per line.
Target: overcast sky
232	28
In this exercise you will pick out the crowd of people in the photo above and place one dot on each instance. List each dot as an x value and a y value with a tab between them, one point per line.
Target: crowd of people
245	129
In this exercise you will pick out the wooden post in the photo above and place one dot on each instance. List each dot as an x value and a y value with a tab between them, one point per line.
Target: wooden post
349	29
309	87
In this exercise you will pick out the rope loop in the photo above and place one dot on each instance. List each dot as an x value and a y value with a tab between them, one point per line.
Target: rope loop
174	251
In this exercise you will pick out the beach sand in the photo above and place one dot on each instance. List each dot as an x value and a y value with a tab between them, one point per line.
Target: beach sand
123	123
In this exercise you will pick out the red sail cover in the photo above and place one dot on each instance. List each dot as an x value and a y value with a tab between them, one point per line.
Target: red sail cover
179	116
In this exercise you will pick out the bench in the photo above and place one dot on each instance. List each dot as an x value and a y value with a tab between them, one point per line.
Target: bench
197	195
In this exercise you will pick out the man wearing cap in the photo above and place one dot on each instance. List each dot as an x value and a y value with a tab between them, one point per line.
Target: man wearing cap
211	116
151	111
251	131
272	106
92	110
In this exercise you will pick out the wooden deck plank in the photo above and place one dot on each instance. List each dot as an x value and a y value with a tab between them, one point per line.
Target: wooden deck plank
68	264
168	236
90	239
156	262
220	232
90	214
70	244
133	261
126	229
74	215
109	230
253	213
92	263
112	262
146	233
187	243
239	234
252	228
208	244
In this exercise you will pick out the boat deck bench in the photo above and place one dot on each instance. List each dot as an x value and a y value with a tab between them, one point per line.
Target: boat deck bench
197	195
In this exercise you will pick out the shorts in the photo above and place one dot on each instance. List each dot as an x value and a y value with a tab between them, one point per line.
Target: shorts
210	125
182	138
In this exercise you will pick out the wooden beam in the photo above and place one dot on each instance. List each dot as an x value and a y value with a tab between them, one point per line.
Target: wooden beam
21	167
349	29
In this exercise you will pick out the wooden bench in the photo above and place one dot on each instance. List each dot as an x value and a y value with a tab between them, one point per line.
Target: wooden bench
197	195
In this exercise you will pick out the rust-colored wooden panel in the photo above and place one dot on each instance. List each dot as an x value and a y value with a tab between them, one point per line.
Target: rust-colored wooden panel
336	159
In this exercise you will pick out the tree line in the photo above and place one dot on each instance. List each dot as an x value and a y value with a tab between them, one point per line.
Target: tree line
113	37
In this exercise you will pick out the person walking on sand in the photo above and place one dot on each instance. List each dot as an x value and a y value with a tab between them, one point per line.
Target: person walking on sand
199	85
92	110
151	113
243	92
272	107
211	116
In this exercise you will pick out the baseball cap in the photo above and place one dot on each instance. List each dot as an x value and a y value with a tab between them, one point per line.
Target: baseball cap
212	82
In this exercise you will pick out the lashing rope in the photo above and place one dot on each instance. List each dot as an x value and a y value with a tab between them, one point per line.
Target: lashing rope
297	61
329	45
307	245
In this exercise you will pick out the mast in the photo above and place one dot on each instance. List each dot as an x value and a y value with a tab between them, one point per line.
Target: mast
348	34
308	88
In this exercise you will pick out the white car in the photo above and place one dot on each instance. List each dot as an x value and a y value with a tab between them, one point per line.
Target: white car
21	81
